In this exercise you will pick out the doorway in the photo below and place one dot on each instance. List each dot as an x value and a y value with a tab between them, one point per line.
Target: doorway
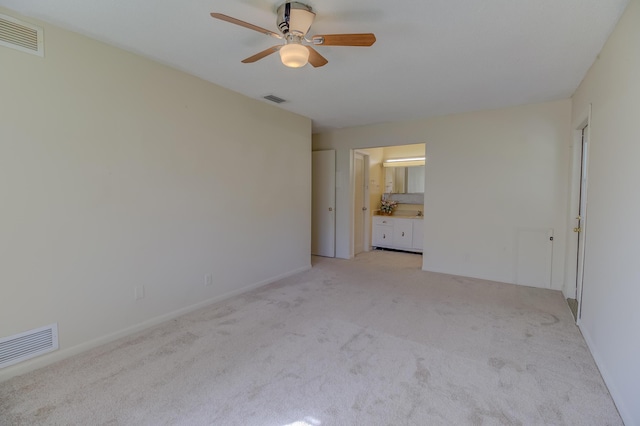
581	217
578	217
368	169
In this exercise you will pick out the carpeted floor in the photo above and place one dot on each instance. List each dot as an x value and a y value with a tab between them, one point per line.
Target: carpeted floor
372	341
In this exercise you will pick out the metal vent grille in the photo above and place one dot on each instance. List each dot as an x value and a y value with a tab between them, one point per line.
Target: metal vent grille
274	98
23	346
21	36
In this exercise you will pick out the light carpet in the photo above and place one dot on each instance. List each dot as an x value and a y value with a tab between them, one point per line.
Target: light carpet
371	341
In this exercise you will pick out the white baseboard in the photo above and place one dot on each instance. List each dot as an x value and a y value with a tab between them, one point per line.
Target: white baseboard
59	355
608	381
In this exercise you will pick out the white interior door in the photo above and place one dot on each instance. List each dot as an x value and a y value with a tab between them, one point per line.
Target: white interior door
359	209
323	203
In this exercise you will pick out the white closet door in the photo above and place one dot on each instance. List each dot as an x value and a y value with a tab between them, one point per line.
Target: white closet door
323	203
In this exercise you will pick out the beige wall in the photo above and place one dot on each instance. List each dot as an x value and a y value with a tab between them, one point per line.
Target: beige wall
611	288
488	174
117	172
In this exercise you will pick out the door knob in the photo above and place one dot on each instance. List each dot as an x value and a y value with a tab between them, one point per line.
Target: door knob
364	208
577	229
330	209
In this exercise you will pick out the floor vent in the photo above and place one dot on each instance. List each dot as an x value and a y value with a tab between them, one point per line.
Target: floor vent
274	98
23	346
21	36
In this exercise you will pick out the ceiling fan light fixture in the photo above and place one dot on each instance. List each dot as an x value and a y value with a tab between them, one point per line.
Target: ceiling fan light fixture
294	55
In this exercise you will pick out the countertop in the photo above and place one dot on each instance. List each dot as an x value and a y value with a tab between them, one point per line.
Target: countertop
401	215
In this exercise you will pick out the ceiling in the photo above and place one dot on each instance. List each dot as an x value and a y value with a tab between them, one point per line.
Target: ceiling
431	58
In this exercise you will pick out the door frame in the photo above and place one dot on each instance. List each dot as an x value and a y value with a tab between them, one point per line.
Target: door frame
367	217
576	258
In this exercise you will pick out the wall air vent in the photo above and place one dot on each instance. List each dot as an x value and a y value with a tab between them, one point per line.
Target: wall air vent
21	36
274	98
23	346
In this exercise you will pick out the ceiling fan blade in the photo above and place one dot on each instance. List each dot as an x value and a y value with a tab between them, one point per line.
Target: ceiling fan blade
344	39
260	55
316	59
245	24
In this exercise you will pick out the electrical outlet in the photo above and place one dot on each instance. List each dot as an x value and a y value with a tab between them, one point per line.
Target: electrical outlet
208	279
138	292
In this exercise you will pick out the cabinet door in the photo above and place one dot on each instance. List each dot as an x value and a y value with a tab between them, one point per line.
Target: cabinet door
418	234
382	236
403	233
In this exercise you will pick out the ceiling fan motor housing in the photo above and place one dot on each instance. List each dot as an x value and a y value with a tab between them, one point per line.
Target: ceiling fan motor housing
295	18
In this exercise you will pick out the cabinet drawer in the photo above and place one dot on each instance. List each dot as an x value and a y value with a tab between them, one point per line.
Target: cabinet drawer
382	220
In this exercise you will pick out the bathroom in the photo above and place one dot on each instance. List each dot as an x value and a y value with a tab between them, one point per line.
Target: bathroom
395	174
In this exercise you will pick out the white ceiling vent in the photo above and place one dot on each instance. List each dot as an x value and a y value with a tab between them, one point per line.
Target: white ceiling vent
21	36
23	346
274	98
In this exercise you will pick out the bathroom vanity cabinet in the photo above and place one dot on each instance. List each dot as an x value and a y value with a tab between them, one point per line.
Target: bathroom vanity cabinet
397	233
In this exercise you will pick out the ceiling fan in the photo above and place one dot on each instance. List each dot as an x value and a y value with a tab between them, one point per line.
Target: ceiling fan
294	20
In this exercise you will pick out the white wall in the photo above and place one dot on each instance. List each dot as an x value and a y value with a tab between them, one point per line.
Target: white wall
487	174
611	287
116	172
